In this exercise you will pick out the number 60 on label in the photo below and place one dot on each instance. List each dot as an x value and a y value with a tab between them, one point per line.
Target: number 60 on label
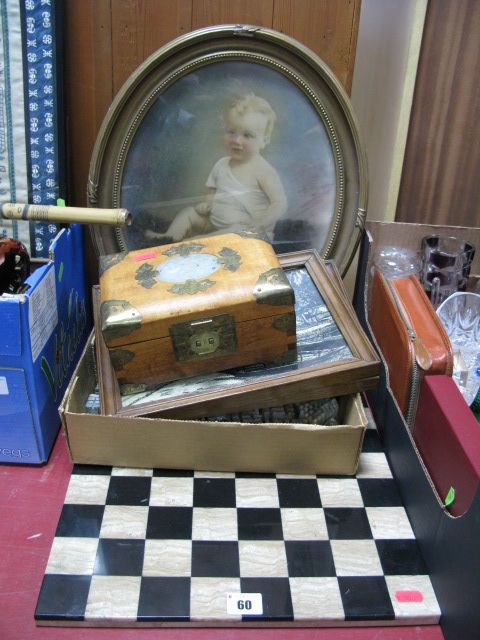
244	604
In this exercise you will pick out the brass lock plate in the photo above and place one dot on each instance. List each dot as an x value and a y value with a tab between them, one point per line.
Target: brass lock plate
205	338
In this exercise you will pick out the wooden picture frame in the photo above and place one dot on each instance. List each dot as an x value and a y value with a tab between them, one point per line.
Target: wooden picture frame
163	134
355	369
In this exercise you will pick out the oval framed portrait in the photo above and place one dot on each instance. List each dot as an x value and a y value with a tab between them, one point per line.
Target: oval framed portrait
231	128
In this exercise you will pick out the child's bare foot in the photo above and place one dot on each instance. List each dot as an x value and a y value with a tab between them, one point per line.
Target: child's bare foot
153	235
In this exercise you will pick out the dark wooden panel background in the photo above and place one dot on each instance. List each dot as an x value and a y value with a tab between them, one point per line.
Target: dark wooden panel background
105	40
441	174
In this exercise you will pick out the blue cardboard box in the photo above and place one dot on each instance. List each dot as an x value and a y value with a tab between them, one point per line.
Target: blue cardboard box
42	335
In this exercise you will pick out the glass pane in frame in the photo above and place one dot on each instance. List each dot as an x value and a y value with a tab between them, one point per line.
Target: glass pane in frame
246	131
304	182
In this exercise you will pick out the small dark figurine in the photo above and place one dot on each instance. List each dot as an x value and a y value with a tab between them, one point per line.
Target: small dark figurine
14	265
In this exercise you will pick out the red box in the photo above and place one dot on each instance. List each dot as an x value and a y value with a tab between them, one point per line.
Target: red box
448	439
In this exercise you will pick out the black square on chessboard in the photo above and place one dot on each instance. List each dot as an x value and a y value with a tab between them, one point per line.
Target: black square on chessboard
129	490
216	559
91	470
276	597
379	492
309	558
172	473
259	524
166	598
347	523
214	492
400	557
250	474
298	492
80	520
170	523
365	598
63	593
372	442
119	557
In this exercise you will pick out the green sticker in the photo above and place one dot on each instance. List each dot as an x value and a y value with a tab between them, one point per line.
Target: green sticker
450	497
60	272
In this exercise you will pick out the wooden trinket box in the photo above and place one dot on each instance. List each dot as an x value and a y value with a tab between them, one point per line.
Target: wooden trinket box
193	307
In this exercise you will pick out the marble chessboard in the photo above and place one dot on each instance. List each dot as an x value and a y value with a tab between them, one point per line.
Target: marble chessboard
148	547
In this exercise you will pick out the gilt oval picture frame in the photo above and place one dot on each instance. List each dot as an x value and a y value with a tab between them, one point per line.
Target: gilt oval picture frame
227	128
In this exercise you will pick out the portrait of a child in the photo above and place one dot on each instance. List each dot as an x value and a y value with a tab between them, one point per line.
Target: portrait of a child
243	190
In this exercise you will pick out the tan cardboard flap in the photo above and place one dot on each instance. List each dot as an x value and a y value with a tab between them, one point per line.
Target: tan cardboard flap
145	442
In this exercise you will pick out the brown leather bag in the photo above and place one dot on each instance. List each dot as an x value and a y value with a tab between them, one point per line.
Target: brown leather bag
409	335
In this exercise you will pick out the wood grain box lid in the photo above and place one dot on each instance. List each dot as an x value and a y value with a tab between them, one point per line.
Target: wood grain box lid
144	293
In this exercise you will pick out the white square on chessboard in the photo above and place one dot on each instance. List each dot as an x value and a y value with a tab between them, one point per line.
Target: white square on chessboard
171	492
72	556
373	465
214	474
257	492
214	524
262	558
167	558
425	612
389	523
208	598
113	597
356	558
130	471
124	521
296	476
304	524
85	489
316	599
339	492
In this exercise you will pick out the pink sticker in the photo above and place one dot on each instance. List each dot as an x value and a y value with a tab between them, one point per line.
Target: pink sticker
409	596
144	256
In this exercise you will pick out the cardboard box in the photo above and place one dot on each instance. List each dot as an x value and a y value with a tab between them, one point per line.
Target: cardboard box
43	333
449	545
215	446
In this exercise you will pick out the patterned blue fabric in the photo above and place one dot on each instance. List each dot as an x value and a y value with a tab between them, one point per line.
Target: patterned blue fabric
10	137
38	30
30	132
